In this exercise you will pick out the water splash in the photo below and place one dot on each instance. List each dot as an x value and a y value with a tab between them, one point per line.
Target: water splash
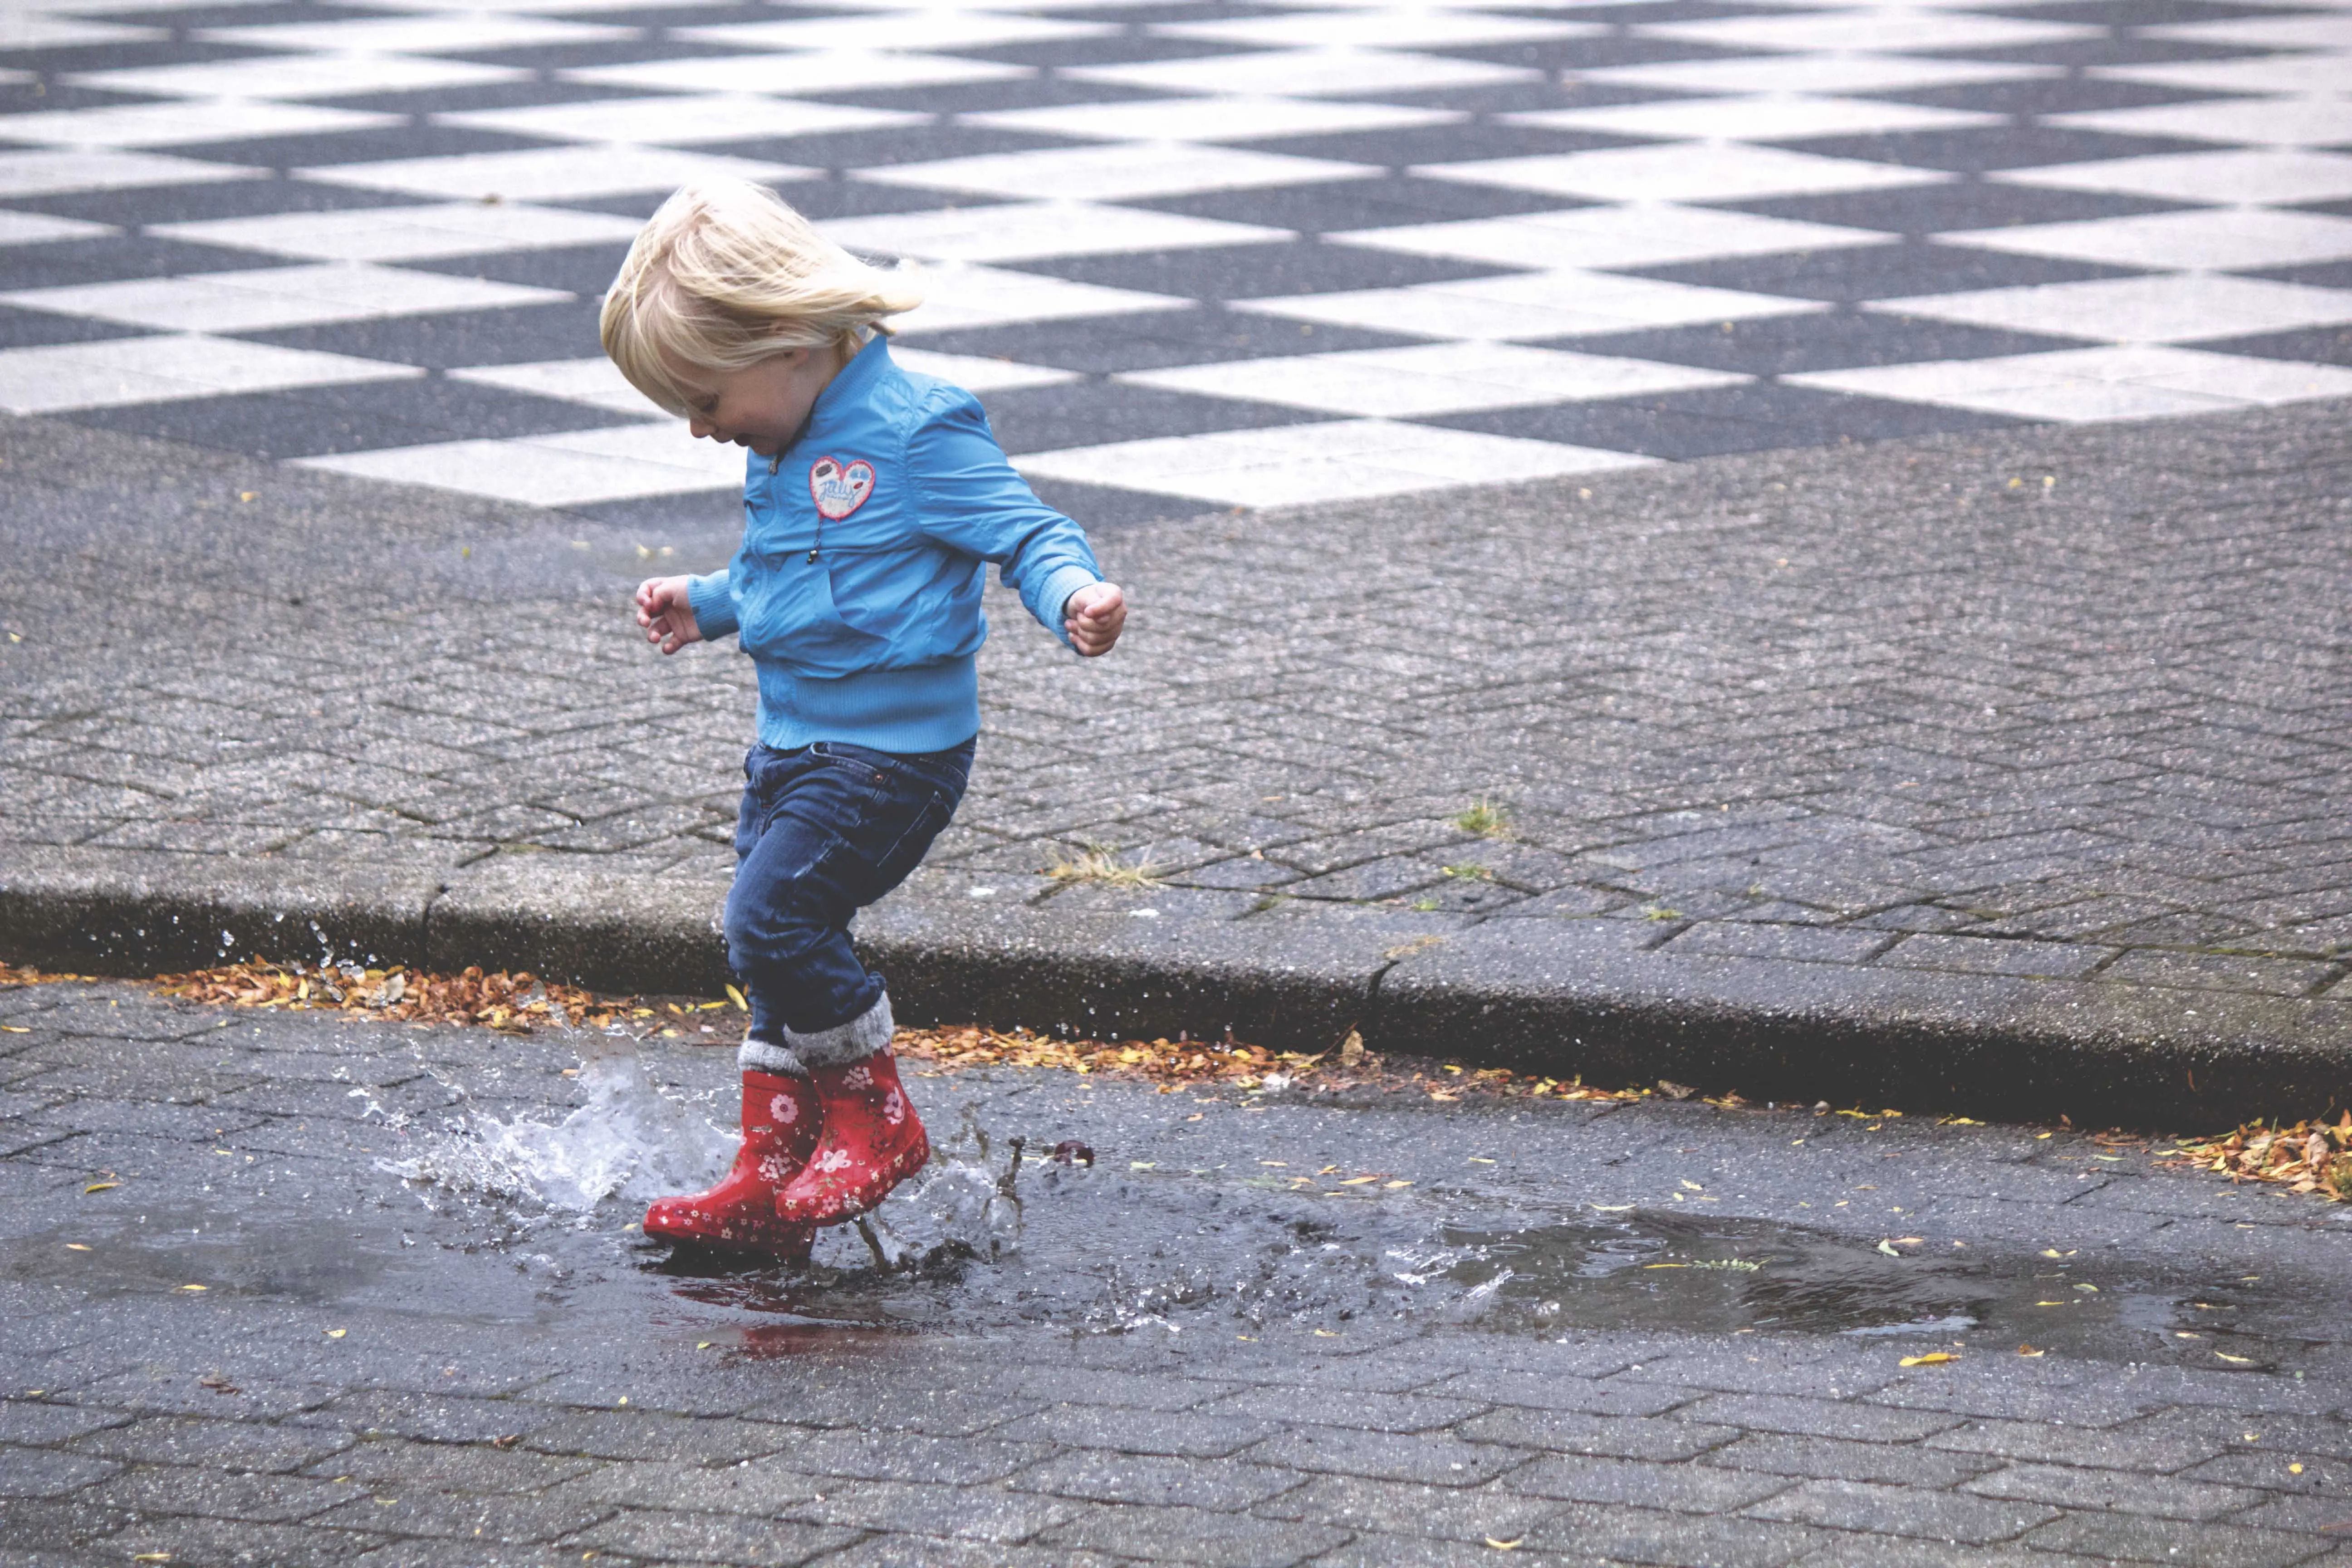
629	1141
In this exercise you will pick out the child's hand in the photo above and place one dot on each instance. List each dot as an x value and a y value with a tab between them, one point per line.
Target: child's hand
667	617
1093	617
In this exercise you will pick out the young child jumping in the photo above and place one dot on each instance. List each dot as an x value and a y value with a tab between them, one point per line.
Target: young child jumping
872	501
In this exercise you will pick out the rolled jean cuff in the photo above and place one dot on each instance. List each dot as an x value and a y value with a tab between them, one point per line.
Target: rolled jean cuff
842	1044
764	1056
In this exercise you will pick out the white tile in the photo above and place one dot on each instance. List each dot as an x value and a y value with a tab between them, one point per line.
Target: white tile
2311	30
2182	308
1402	27
180	123
1303	464
2305	121
1019	231
39	229
937	31
271	297
593	381
2080	387
2210	239
2277	176
311	76
956	296
1819	73
1528	307
625	463
1764	117
1682	171
448	32
25	29
2263	73
1891	29
1211	119
974	374
1127	172
837	70
548	175
45	172
110	7
408	234
533	7
155	369
1640	234
678	121
1305	73
1433	378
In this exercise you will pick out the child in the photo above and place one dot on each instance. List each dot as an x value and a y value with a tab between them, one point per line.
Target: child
871	500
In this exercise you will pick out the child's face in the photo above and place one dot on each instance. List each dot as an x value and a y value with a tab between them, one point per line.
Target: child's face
763	405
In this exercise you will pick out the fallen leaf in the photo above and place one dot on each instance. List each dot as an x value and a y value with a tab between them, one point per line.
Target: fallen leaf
1690	1187
76	1247
1676	1091
1665	1266
1325	1334
2030	1351
152	1557
192	1287
737	997
1888	1247
2294	1469
337	1333
2235	1360
1358	1181
101	1186
1392	1186
1932	1358
1909	1241
1614	1208
1510	1545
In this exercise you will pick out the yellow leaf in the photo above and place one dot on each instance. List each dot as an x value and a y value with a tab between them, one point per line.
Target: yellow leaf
1479	1160
2030	1351
1932	1358
192	1287
1358	1181
737	997
76	1247
101	1186
2237	1359
1510	1545
1665	1266
1692	1187
2294	1469
1325	1334
1395	1184
1614	1208
15	1029
337	1333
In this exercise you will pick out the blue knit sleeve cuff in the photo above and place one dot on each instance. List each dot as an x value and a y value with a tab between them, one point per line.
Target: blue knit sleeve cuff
714	605
1053	598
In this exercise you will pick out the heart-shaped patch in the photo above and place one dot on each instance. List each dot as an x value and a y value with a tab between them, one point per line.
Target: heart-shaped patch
839	488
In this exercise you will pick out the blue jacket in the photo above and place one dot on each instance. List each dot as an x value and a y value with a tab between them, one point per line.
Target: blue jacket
898	490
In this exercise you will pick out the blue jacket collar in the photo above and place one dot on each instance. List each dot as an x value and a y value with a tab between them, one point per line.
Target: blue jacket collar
844	397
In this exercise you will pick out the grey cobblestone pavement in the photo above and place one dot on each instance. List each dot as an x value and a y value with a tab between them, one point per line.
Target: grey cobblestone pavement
2057	715
289	1289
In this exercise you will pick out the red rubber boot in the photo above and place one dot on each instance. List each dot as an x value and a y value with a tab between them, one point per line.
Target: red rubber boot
739	1214
872	1140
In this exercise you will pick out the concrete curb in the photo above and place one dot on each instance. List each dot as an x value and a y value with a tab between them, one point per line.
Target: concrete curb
1557	996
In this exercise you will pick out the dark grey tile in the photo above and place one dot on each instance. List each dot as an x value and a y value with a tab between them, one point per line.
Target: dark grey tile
1591	54
1947	205
38	328
42	97
887	144
1204	334
376	144
1099	506
1853	273
2315	275
150	205
2309	345
2069	94
1457	143
364	417
1118	48
973	98
2119	49
2141	13
533	94
1088	414
1977	149
115	257
515	334
587	269
1376	202
1722	419
1835	340
1261	271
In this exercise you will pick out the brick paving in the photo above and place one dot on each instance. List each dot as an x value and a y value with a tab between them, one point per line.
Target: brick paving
1185	1362
2050	707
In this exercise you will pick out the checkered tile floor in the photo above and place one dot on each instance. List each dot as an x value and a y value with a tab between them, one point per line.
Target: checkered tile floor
1191	253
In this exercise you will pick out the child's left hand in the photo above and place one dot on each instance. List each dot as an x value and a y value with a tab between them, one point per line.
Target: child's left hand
1094	617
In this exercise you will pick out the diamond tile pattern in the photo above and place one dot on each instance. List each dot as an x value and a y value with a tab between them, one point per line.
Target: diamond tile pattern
1193	253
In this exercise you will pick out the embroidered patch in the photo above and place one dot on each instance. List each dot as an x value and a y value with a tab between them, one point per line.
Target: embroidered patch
840	489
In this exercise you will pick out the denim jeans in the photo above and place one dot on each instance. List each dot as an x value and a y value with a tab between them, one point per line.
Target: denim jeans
825	831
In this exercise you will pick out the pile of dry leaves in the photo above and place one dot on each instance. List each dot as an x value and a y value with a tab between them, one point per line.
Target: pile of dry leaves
2308	1157
514	1003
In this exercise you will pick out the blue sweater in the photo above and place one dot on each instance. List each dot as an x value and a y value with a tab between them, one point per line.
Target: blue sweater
903	495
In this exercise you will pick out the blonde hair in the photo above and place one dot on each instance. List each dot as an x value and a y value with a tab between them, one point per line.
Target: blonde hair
724	275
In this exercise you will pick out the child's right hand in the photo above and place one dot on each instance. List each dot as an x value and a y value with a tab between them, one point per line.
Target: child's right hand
666	615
